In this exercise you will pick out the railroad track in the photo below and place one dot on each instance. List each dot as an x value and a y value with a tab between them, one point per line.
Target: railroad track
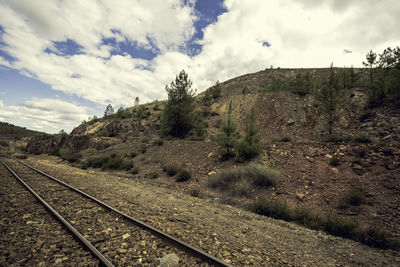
113	237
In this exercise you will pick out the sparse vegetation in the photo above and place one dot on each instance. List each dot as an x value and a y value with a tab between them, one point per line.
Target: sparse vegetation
171	169
134	170
353	197
183	175
331	224
109	162
65	153
241	180
10	130
152	174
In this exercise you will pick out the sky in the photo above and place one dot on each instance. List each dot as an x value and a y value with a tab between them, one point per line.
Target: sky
64	61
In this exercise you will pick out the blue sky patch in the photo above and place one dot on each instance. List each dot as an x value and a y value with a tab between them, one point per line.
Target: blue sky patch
66	48
207	12
131	48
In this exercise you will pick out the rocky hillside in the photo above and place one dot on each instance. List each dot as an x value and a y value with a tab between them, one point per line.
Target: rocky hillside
317	171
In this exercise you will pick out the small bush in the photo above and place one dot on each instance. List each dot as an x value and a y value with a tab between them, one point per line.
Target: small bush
195	192
153	174
143	148
242	188
271	208
354	197
135	170
307	218
255	174
332	224
341	227
335	161
378	239
133	154
183	175
111	162
245	90
65	154
171	169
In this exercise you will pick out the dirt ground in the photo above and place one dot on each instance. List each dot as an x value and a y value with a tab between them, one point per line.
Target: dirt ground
238	237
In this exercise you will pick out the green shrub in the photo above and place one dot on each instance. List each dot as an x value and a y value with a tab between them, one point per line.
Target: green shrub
341	227
171	169
153	174
66	154
195	192
133	154
378	239
271	208
245	90
242	187
135	170
308	219
109	162
335	161
332	224
353	197
254	174
183	175
143	148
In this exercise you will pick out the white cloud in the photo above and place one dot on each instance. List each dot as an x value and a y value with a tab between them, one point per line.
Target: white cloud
307	33
45	114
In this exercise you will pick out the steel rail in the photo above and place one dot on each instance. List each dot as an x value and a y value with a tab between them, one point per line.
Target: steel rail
103	260
166	237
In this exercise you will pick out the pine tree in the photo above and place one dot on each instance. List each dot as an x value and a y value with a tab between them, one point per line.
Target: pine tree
206	102
178	114
227	140
216	90
109	110
250	146
330	97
